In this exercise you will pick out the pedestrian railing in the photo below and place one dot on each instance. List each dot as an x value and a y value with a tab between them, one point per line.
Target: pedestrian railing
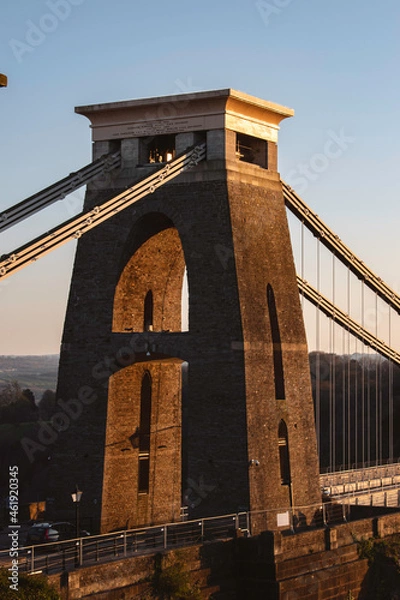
67	555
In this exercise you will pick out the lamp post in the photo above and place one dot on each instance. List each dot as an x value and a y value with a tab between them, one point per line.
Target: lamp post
76	498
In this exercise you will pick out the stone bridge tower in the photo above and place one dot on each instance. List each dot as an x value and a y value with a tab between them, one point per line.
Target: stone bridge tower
184	353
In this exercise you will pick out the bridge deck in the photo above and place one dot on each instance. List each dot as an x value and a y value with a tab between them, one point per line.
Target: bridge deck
378	485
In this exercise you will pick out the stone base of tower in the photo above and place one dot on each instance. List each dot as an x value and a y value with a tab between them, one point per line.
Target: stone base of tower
320	564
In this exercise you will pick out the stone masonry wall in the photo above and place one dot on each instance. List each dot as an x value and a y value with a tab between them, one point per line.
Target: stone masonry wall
123	505
312	565
234	235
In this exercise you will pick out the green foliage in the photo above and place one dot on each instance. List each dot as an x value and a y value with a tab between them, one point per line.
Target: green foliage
47	405
16	405
173	583
366	549
9	393
384	560
34	587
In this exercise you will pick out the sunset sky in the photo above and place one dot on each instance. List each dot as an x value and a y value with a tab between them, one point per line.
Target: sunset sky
335	63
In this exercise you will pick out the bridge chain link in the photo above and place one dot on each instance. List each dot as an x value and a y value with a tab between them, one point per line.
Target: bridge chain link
75	228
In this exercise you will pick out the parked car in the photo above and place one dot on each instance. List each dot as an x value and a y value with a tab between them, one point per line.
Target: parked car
67	531
41	533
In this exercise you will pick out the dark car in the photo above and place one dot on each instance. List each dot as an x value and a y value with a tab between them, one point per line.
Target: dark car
67	531
40	533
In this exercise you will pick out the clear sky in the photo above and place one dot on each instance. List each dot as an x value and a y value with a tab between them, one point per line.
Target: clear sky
335	63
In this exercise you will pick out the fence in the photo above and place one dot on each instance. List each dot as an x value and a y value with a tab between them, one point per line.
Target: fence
67	555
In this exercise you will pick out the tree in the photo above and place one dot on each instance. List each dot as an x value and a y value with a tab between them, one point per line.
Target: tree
30	397
10	393
30	587
17	406
47	405
173	582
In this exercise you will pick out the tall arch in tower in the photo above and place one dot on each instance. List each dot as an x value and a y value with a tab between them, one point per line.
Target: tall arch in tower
215	406
144	423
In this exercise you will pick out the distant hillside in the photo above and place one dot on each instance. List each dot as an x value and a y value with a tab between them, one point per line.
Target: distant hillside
38	373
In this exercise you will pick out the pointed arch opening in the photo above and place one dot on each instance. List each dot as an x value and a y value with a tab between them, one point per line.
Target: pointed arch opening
144	435
148	312
185	302
149	293
277	345
283	444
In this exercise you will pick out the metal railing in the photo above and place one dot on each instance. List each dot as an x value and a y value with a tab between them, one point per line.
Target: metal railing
66	555
52	557
362	467
367	478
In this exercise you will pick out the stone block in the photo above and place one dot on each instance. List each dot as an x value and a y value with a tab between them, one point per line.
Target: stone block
130	153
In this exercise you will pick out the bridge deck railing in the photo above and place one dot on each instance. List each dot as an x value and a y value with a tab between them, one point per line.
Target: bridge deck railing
66	555
362	475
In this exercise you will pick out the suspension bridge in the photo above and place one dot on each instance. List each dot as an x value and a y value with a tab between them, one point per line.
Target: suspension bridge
217	420
353	379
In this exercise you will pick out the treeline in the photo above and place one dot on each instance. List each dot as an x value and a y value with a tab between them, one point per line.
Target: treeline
38	373
353	412
20	416
19	406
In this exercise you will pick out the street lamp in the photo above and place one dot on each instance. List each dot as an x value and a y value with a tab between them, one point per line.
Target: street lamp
76	498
